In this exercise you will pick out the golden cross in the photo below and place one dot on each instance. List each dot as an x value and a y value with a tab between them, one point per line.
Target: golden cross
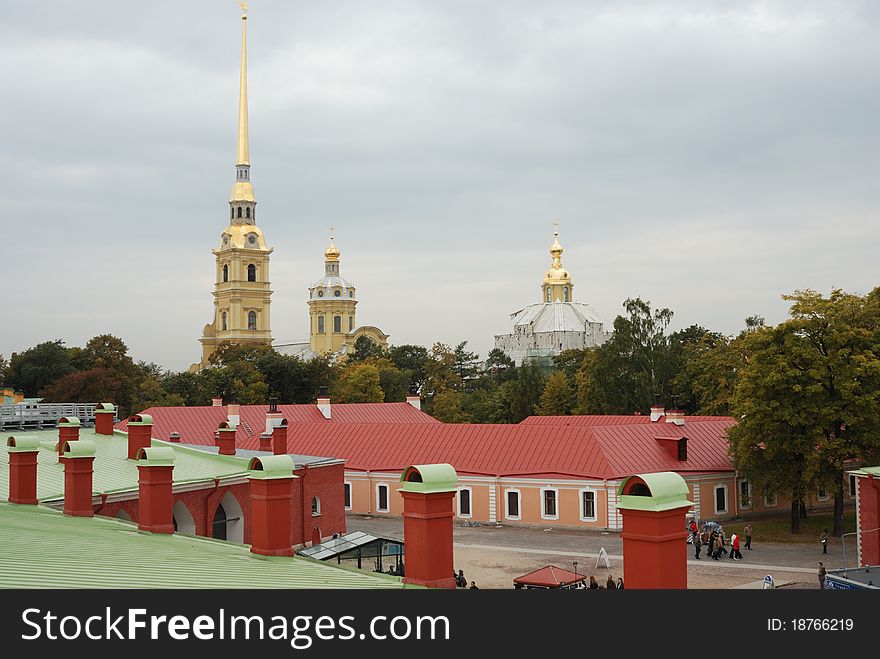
556	228
331	233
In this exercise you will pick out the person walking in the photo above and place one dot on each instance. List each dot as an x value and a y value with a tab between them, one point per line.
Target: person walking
719	547
735	553
822	573
823	540
748	533
610	585
698	545
593	583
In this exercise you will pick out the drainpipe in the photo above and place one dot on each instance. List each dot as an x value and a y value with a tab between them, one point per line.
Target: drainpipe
209	521
305	509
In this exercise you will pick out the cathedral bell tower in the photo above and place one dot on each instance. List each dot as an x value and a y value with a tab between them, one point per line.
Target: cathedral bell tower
332	302
241	292
557	285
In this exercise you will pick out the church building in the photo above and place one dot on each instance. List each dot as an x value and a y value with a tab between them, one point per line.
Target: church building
543	330
241	292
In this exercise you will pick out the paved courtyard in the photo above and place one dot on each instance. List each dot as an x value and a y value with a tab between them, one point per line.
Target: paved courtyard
493	556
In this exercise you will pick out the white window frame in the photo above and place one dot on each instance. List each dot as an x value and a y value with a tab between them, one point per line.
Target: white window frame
518	493
744	506
581	494
767	500
387	497
555	491
316	510
470	492
347	484
819	496
726	499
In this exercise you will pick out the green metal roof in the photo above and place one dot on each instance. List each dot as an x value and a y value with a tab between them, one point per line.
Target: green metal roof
668	491
429	478
271	467
99	552
113	471
865	471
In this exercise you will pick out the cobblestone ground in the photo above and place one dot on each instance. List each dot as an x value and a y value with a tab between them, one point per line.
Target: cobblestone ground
494	556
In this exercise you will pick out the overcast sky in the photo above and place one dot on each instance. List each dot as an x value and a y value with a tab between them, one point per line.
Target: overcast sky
706	156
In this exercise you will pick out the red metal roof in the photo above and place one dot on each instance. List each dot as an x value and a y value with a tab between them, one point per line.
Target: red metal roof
528	451
194	423
550	577
605	420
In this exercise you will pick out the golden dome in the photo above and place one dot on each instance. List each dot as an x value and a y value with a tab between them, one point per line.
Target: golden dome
242	191
332	252
243	236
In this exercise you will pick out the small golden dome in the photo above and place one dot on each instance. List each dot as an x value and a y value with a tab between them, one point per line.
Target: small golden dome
332	252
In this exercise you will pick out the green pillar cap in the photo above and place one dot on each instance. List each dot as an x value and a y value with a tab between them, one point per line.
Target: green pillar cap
658	492
429	478
105	407
81	448
22	444
140	420
68	422
156	456
271	466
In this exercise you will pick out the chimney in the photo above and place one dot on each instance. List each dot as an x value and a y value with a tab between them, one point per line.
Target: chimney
428	493
266	442
217	402
78	458
105	414
273	404
232	414
676	417
657	411
155	498
324	402
174	438
225	438
271	485
414	399
140	434
23	469
68	431
279	439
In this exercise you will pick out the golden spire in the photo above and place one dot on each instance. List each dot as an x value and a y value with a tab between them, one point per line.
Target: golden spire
557	283
243	155
556	249
332	252
242	190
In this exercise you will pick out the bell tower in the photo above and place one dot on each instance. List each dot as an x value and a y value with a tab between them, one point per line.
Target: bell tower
241	292
332	302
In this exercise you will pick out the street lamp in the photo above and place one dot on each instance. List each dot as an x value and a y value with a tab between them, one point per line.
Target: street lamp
575	564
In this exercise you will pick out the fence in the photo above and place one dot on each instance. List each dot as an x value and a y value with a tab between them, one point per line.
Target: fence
41	415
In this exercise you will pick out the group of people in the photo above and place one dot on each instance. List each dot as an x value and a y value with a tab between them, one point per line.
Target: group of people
610	584
716	542
461	581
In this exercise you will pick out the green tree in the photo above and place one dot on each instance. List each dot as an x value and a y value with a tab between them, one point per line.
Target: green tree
466	363
4	370
359	383
239	382
34	369
410	359
449	407
499	366
558	398
365	348
108	351
440	371
93	386
524	392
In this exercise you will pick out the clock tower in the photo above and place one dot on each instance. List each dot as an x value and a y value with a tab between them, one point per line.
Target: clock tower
241	292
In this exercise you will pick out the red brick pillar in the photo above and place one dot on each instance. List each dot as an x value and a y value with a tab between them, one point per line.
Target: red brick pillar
654	507
271	482
68	431
104	415
225	439
140	434
155	498
266	442
78	459
23	455
428	495
279	439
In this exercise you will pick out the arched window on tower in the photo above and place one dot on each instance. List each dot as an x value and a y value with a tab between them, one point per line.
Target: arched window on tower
247	212
565	293
231	213
252	320
337	324
320	324
350	323
252	272
223	321
239	211
549	295
225	273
